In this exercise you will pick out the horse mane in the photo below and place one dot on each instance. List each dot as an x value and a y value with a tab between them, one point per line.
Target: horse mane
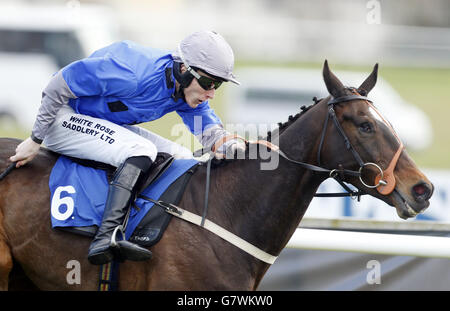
282	126
292	118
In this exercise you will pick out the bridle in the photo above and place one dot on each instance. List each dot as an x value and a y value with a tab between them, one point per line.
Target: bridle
384	181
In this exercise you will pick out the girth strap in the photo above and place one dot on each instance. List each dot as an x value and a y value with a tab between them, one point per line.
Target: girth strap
218	230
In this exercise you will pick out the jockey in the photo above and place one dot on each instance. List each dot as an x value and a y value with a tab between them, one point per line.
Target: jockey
89	109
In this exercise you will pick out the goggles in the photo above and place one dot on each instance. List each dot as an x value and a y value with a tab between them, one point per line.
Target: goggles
206	83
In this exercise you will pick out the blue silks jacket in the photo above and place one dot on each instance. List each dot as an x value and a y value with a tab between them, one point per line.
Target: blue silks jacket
126	83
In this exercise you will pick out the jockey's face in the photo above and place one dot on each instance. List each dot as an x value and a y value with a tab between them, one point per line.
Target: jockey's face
194	93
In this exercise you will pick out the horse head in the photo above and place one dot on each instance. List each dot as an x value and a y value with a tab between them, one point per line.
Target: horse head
366	142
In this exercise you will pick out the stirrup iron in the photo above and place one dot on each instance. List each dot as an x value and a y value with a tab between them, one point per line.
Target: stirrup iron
113	242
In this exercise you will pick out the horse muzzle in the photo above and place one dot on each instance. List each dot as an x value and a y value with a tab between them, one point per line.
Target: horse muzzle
413	203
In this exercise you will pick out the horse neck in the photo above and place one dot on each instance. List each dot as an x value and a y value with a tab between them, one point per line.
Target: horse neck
266	206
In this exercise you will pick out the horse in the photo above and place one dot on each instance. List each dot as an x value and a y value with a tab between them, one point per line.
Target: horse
261	206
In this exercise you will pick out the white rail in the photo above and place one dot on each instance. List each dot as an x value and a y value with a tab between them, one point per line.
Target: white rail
371	243
352	223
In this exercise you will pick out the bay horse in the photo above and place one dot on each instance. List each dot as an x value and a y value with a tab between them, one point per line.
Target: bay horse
263	207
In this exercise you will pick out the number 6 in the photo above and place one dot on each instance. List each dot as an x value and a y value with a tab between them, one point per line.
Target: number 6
57	201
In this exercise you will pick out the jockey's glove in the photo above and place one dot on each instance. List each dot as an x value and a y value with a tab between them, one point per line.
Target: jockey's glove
25	152
232	149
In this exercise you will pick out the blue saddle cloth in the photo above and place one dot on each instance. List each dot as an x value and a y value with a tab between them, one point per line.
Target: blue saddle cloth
78	193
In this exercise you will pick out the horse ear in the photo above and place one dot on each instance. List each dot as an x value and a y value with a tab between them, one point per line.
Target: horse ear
370	82
334	86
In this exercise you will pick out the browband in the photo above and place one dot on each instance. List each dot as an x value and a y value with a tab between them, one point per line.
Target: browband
347	98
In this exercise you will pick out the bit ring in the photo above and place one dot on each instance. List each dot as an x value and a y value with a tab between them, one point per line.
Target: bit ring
380	182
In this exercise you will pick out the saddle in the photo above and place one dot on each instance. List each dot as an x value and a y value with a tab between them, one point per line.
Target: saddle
152	226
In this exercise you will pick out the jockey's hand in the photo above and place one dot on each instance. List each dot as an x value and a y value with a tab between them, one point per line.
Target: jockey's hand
25	152
234	149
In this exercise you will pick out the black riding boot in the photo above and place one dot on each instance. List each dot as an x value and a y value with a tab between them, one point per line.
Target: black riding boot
120	196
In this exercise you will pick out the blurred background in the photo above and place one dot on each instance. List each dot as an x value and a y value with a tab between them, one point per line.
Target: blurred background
279	47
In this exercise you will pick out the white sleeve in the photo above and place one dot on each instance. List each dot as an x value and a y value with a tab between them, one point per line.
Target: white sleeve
56	94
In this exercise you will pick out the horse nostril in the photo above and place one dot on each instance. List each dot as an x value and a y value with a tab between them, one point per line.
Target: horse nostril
422	191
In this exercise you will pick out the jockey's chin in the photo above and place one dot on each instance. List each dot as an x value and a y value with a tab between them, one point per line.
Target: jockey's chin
193	99
194	103
195	94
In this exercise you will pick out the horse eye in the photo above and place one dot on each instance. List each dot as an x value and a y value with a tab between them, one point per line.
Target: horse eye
366	127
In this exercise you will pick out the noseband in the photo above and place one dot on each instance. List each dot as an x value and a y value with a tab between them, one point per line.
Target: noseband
385	180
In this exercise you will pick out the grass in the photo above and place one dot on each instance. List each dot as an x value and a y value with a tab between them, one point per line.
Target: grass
426	88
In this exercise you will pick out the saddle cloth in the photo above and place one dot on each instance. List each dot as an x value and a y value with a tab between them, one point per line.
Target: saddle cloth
79	192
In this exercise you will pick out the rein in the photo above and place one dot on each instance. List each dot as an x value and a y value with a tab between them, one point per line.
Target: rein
333	173
7	170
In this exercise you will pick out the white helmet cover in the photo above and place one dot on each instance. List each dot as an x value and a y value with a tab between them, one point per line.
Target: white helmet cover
207	50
